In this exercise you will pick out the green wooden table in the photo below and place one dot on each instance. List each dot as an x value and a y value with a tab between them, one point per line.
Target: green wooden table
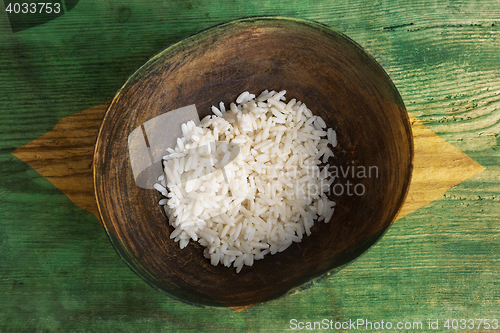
58	270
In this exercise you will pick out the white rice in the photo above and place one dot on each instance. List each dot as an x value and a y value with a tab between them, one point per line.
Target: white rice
264	199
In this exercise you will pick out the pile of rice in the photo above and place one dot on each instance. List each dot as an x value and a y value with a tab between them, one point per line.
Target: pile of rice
264	199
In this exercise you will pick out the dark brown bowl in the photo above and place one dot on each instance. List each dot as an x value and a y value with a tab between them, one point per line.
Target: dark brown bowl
326	70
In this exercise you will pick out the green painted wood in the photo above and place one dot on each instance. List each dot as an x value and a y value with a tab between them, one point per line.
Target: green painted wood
58	271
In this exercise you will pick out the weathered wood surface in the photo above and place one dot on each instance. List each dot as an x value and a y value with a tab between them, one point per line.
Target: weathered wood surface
58	271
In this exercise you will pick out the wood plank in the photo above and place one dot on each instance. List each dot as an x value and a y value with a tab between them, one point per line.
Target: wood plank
440	261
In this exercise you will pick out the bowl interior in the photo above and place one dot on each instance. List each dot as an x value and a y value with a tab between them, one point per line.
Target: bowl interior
336	79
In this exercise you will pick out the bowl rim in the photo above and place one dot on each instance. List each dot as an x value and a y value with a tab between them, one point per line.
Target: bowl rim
177	46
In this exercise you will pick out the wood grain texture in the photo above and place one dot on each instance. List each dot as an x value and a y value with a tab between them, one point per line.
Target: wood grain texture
59	273
437	167
64	155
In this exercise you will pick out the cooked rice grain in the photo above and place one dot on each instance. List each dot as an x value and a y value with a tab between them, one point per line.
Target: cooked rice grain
264	199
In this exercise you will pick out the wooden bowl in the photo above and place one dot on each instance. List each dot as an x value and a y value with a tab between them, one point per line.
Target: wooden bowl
326	70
